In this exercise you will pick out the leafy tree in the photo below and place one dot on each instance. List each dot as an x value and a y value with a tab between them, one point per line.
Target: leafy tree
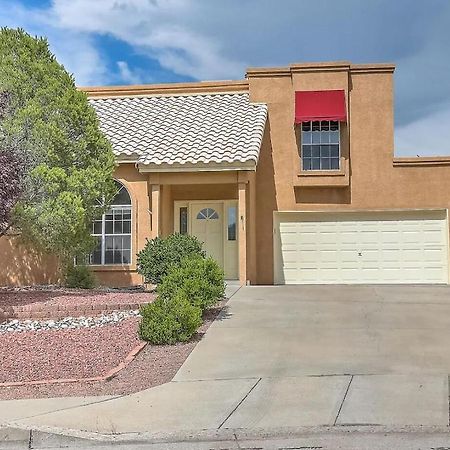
49	131
11	174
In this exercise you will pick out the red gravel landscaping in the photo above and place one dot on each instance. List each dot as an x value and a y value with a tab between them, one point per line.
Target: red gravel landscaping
153	366
70	353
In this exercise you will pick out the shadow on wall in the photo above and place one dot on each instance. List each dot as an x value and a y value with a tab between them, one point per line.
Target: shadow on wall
122	277
266	203
326	196
21	266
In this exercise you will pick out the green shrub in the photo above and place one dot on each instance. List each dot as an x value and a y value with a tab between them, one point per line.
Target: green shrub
168	322
160	254
200	280
79	276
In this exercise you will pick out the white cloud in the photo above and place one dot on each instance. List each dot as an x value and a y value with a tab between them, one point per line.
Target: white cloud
75	50
127	75
79	56
187	53
156	29
429	136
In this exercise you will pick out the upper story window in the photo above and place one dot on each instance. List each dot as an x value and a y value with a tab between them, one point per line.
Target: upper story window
113	231
320	145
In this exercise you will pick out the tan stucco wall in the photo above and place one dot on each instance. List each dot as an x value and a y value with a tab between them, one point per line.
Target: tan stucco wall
374	182
21	266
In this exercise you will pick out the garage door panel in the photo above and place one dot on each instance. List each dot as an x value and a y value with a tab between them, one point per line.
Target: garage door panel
310	274
412	254
328	238
391	247
408	237
332	275
432	255
348	256
308	257
370	257
389	237
327	256
347	237
348	275
433	238
369	237
291	262
290	240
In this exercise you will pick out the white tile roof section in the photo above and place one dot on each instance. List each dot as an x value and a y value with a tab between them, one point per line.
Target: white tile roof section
189	129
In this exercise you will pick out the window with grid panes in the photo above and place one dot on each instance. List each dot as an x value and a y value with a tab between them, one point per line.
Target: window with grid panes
113	231
320	145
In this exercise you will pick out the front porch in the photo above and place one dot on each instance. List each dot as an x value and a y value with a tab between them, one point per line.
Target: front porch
217	207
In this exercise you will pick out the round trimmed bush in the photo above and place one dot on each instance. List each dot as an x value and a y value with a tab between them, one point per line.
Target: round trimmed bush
160	254
200	280
79	276
169	322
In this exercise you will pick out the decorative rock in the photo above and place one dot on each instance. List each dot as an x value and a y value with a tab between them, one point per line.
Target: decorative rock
68	322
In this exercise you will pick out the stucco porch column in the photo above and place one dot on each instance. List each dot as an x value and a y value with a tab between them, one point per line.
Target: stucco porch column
251	228
242	224
156	209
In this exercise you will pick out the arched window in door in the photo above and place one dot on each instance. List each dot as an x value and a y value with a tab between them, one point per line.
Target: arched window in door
113	231
207	213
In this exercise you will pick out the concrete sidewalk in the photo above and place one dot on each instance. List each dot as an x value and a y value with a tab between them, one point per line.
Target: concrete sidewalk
385	400
288	357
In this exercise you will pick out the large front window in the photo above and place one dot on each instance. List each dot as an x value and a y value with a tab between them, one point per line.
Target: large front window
113	231
320	144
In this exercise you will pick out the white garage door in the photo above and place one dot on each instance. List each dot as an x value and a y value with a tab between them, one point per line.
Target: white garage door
387	247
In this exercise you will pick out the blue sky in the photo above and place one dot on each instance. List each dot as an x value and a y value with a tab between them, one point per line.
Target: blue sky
154	41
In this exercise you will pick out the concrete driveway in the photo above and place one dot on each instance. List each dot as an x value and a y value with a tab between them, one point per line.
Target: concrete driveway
276	331
293	356
332	355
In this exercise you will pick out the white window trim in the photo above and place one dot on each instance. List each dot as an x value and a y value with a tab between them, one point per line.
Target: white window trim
339	144
104	235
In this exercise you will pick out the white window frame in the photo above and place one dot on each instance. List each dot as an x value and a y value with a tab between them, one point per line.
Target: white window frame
319	145
104	235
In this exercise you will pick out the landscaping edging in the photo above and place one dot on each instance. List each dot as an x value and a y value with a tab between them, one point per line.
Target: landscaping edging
109	375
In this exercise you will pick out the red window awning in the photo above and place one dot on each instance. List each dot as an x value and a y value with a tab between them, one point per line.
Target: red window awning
320	105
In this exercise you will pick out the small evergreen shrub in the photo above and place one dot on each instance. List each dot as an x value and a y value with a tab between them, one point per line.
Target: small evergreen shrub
169	322
160	254
200	280
79	276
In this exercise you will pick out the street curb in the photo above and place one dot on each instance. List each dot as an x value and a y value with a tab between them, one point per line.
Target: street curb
109	375
63	436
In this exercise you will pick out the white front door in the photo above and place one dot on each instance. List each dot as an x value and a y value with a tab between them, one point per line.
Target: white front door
372	247
207	226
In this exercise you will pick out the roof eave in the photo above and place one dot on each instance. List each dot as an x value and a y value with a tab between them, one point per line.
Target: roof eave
198	167
168	89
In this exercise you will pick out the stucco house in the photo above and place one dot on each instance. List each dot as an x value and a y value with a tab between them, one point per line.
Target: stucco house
288	176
